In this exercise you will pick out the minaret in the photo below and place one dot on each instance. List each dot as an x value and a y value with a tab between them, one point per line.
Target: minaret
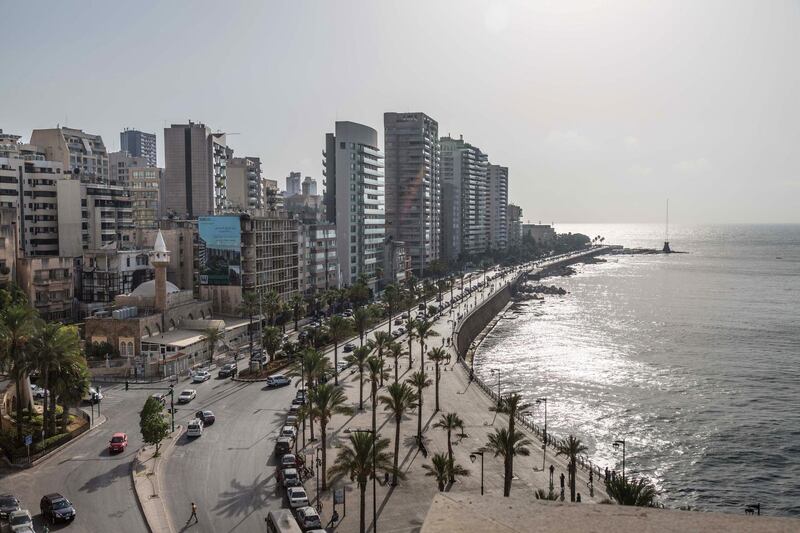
159	258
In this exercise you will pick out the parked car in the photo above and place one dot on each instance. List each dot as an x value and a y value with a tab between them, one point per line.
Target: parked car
187	396
118	443
291	478
92	395
278	380
299	401
194	428
283	445
56	508
308	518
38	392
206	416
291	420
349	347
398	321
289	431
200	376
20	521
288	460
421	307
160	397
297	497
8	504
301	393
227	371
259	358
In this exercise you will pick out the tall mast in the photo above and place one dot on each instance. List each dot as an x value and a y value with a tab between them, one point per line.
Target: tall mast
666	233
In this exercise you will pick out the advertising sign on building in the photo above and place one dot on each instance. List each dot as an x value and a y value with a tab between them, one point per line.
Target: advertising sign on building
221	245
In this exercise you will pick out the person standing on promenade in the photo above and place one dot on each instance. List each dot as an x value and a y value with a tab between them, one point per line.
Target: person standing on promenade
562	486
193	515
552	473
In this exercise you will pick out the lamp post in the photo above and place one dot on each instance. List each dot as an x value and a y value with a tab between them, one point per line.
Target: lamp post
319	464
544	432
472	457
496	371
617	444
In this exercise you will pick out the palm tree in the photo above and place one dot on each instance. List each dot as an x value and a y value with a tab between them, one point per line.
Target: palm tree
298	306
411	328
444	470
380	342
640	492
271	304
542	494
392	297
375	376
17	326
420	381
396	351
249	307
508	445
339	329
311	367
271	341
437	355
571	447
70	384
513	406
359	359
355	462
212	336
401	398
326	401
450	422
361	319
424	331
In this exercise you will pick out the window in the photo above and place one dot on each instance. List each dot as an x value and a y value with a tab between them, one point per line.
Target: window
343	146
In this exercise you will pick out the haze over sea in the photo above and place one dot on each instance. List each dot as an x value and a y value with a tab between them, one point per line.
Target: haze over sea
692	358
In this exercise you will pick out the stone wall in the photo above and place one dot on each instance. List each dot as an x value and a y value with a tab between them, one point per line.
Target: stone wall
479	318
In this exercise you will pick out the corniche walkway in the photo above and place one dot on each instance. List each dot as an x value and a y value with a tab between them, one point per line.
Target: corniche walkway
403	508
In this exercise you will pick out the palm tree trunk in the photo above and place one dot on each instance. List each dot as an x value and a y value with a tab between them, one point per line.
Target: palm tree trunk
422	355
336	363
437	393
361	390
18	410
363	507
323	431
450	455
374	408
395	370
419	417
509	469
572	480
311	424
380	356
396	448
409	351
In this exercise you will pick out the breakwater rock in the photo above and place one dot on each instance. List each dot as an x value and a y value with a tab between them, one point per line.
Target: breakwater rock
544	289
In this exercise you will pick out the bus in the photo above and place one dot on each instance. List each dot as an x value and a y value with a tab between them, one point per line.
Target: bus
282	521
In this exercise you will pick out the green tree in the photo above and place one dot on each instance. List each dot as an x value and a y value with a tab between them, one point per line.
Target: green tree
249	308
152	424
512	405
424	331
271	340
339	328
392	296
212	336
444	470
400	399
375	374
359	359
542	494
419	380
450	422
571	448
640	492
326	401
437	355
311	367
298	307
411	331
396	351
508	445
359	293
381	342
17	327
361	320
355	462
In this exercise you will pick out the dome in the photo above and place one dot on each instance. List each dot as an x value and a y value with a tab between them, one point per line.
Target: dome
148	289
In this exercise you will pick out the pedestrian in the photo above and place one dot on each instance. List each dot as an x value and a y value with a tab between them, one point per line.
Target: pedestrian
591	476
193	515
471	375
578	498
606	474
385	478
562	482
334	518
613	475
552	471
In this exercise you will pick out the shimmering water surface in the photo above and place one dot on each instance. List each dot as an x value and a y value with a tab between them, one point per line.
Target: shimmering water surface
693	358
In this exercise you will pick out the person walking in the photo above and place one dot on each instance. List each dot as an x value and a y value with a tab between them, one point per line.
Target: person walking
552	472
562	486
193	515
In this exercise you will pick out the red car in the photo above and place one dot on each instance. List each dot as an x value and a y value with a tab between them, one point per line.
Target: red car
118	443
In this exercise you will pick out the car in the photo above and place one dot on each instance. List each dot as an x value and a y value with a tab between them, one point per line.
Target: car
288	460
200	376
294	409
299	401
92	395
297	497
396	333
8	504
56	508
227	371
342	366
278	380
349	347
160	397
308	518
38	392
20	520
187	396
404	315
283	445
291	478
301	393
206	416
194	428
289	431
291	420
118	443
398	321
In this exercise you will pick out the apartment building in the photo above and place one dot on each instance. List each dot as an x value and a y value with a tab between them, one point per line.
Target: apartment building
139	144
245	185
497	236
48	283
413	189
145	193
354	200
514	217
108	273
81	154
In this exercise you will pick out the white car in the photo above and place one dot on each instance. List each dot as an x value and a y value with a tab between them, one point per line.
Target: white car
194	428
201	376
297	497
308	518
289	431
291	478
278	380
38	392
288	461
187	396
20	521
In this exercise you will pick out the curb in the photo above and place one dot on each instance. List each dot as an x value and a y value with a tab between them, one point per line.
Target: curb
152	505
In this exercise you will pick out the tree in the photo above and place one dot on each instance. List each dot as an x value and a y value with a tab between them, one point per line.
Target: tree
411	328
437	355
359	293
392	296
508	445
326	401
152	424
513	406
271	341
313	365
424	331
375	374
361	320
640	492
355	462
339	329
542	494
444	470
450	422
571	447
212	336
271	305
419	380
17	326
298	306
396	351
359	359
249	307
398	402
380	342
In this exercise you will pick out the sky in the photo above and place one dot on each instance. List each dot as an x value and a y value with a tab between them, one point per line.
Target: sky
601	110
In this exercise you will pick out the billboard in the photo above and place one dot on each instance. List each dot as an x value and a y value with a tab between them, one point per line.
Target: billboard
220	250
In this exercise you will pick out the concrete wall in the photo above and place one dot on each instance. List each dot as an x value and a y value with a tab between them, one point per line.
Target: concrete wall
480	317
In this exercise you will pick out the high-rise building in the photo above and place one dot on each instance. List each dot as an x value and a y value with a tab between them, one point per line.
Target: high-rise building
145	195
245	184
465	199
514	216
354	200
139	144
413	189
309	186
120	165
81	154
195	177
498	206
293	184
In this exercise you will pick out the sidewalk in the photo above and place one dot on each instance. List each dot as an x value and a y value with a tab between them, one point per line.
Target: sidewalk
147	483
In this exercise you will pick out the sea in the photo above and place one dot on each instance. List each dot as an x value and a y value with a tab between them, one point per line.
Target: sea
693	359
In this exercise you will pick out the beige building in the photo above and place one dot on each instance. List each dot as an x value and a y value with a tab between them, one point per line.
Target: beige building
8	246
540	233
82	154
144	187
245	184
179	236
48	282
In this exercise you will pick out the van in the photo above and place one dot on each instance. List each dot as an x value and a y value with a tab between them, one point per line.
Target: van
283	445
194	428
282	521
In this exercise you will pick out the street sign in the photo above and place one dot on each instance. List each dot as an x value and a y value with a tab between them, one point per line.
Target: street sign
338	496
28	440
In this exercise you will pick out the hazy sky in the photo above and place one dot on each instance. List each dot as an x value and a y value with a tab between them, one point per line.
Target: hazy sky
601	110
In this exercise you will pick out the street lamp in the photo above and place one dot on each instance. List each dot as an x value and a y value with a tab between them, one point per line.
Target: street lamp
496	371
319	464
617	443
472	457
544	433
